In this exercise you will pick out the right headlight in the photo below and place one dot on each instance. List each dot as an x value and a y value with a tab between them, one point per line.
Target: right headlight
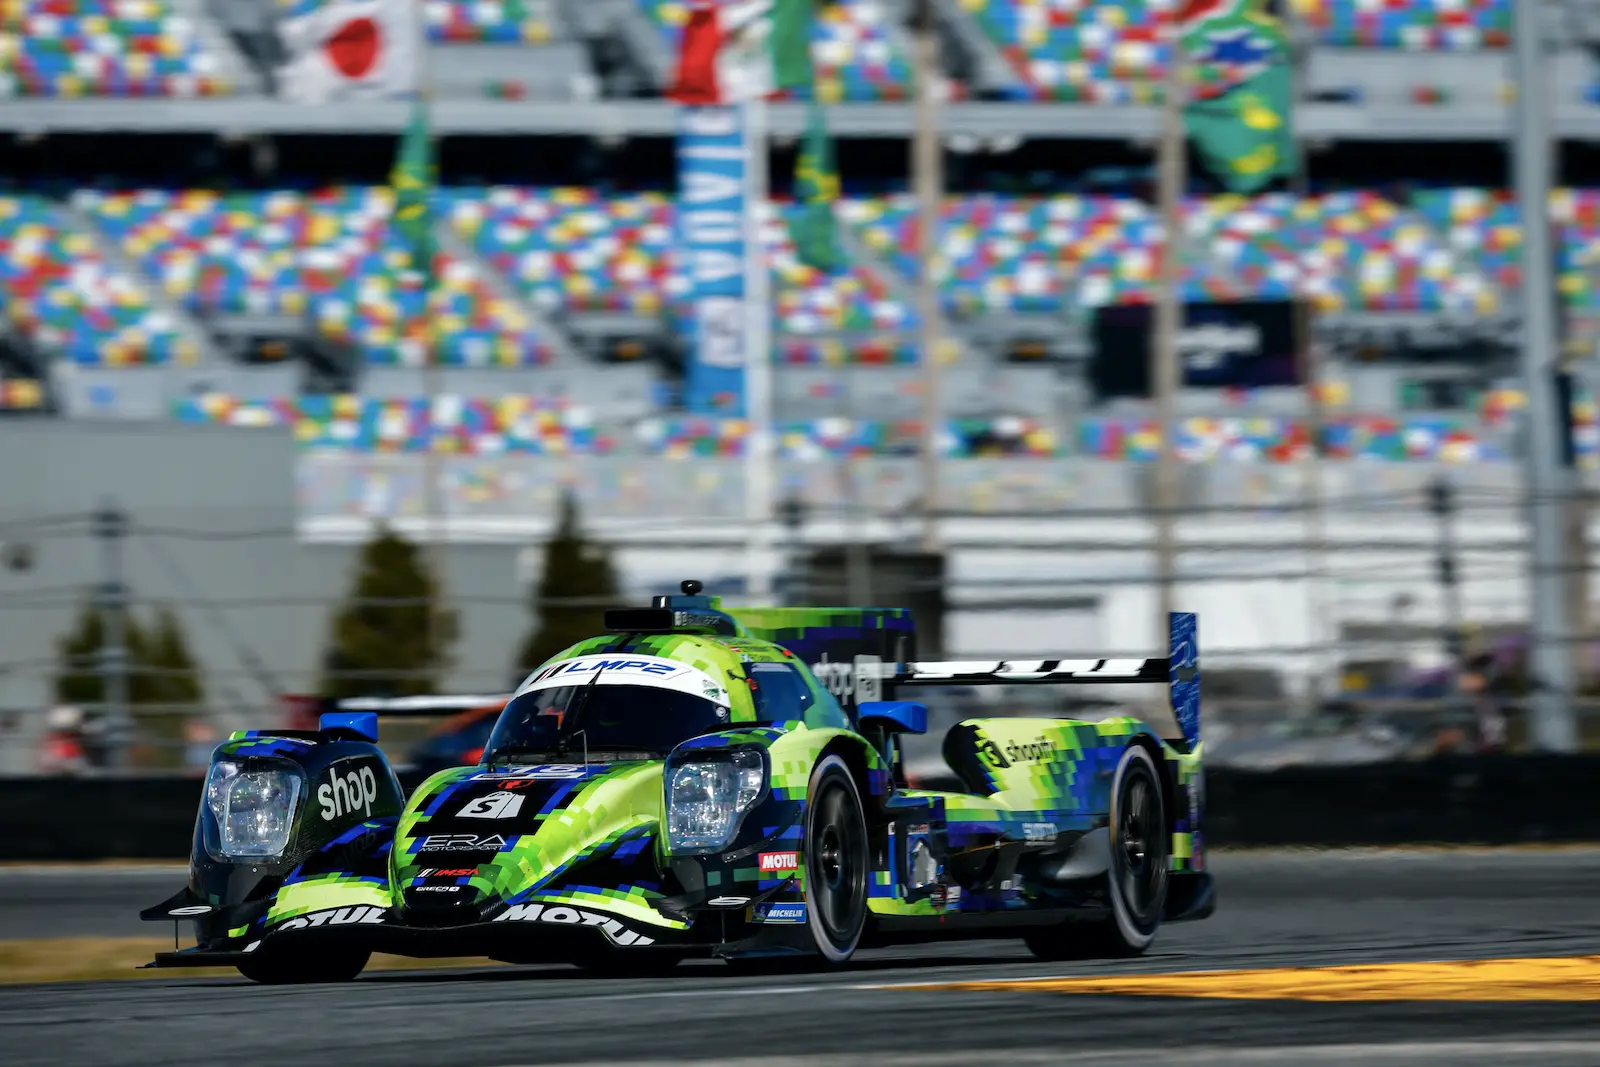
253	810
708	795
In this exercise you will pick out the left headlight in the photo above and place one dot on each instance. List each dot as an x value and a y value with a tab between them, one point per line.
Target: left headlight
254	810
707	797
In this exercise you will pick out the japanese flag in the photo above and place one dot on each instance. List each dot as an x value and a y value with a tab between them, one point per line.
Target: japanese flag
351	49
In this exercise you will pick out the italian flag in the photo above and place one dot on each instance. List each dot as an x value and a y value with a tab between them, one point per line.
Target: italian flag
735	50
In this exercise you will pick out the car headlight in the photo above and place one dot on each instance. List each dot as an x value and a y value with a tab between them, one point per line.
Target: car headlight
254	810
708	796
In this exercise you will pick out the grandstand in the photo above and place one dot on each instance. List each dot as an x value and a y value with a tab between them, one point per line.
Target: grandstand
556	324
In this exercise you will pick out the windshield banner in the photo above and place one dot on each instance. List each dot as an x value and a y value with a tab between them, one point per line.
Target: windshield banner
627	670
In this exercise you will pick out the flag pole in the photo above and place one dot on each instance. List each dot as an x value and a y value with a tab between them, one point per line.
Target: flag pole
1164	359
760	460
927	181
433	520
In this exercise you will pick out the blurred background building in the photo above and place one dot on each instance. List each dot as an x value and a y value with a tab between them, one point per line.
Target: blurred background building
221	378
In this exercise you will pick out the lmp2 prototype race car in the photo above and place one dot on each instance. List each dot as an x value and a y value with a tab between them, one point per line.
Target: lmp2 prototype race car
703	781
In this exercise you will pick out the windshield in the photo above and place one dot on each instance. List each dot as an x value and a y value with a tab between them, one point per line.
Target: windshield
618	721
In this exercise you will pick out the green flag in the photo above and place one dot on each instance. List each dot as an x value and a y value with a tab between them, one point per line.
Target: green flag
816	187
413	179
1238	116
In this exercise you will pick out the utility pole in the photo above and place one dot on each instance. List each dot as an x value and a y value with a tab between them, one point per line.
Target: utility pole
1575	486
792	513
1553	727
110	529
1165	367
433	507
928	181
1323	630
760	477
1442	502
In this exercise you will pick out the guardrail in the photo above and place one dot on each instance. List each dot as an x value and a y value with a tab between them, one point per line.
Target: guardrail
1489	800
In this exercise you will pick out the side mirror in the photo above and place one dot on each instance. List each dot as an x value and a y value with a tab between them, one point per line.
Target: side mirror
894	716
363	724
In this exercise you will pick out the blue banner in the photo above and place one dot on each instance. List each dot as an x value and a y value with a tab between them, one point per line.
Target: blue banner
712	187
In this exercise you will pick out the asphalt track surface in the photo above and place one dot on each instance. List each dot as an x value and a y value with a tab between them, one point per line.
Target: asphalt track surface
1309	909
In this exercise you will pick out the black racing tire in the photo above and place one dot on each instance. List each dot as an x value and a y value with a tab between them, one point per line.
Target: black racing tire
278	968
837	862
630	964
1136	884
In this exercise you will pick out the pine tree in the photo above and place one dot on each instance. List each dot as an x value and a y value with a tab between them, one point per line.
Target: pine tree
155	694
78	676
576	569
391	638
178	682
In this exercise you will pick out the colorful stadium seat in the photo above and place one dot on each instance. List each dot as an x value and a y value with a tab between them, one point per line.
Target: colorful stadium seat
519	425
72	48
69	301
1111	51
1418	25
1078	50
332	255
488	21
853	50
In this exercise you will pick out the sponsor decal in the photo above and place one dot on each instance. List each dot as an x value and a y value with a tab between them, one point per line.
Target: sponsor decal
1039	831
454	872
589	666
520	777
780	861
919	828
1034	751
682	619
727	902
437	888
361	914
952	896
990	753
192	909
565	916
499	805
345	794
781	913
462	843
852	683
1038	750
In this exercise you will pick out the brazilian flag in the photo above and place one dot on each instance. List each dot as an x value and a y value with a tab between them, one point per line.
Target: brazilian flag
1238	116
413	180
816	187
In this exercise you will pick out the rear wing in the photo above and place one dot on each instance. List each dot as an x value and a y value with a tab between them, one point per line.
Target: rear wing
1179	670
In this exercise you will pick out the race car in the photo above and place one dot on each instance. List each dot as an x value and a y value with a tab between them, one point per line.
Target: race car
708	781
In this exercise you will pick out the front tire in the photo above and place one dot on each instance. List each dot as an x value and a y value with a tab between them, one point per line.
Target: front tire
276	968
836	861
1136	883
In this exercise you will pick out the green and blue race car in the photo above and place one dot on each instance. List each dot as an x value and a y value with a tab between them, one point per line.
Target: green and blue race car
708	781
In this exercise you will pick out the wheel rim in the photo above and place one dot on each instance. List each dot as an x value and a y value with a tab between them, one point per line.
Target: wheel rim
836	867
1140	850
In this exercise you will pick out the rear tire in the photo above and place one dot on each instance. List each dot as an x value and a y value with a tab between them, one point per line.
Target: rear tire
274	968
1136	884
836	861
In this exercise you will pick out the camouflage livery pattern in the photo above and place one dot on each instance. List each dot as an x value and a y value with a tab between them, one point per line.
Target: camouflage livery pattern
497	857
